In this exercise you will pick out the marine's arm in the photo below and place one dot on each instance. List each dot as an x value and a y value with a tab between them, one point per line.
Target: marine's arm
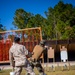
11	59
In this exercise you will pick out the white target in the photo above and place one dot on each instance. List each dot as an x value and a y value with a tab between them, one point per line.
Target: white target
64	55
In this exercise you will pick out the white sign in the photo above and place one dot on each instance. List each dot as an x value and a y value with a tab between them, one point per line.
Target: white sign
64	55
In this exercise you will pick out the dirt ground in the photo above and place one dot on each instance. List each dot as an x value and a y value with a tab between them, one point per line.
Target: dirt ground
45	65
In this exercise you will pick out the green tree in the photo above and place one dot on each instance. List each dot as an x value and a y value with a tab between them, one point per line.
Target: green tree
2	28
60	18
21	18
58	24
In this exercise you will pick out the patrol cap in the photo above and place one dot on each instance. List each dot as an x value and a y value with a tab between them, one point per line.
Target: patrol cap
16	39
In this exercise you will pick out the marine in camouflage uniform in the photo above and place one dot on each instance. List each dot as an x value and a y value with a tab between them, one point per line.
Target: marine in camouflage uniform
18	59
38	50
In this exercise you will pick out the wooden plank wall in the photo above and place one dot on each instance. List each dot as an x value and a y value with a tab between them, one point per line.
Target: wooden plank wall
29	37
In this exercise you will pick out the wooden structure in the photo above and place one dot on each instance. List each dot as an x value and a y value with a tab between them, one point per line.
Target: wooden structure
29	37
69	44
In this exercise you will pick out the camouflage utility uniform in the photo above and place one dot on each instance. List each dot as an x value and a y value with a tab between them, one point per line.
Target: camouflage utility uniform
17	57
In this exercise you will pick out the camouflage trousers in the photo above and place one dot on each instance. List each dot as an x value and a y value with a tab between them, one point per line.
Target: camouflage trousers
38	65
27	67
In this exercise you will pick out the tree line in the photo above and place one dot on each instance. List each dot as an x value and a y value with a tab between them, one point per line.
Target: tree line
59	22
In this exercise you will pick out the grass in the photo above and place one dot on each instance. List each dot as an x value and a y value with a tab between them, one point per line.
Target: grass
58	71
